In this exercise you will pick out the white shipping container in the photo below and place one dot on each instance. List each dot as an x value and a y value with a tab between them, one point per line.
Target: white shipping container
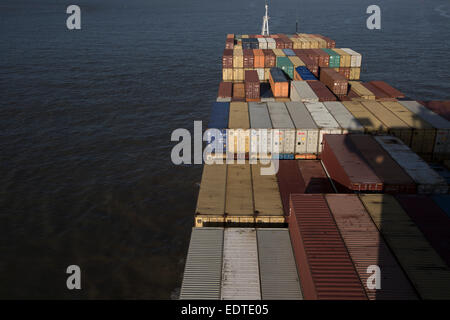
302	92
428	181
223	99
442	126
307	132
240	270
262	43
356	58
346	120
284	129
203	269
271	44
324	121
260	72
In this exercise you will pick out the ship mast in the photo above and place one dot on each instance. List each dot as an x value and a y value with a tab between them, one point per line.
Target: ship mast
265	26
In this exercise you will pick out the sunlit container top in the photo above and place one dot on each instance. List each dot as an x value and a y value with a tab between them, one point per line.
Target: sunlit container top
322	117
345	119
280	116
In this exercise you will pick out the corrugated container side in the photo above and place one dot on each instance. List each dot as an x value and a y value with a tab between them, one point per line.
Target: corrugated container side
260	119
426	270
428	181
345	119
289	181
314	176
278	272
356	57
307	132
346	167
203	268
239	192
442	142
431	220
394	178
367	248
240	271
282	124
325	268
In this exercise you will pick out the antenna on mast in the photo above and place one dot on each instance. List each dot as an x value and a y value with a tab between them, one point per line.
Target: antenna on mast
265	26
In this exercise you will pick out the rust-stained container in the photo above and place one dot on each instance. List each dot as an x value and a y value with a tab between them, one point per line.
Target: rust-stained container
289	181
323	57
368	120
345	72
321	91
239	193
229	44
225	91
368	248
270	59
211	197
227	58
346	167
238	91
424	267
431	220
396	126
355	73
337	83
249	58
312	66
314	176
251	84
394	178
390	91
258	58
325	268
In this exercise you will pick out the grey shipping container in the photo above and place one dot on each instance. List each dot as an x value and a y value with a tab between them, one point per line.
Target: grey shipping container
428	181
284	129
307	132
441	148
345	119
240	271
278	272
302	92
260	141
203	269
324	121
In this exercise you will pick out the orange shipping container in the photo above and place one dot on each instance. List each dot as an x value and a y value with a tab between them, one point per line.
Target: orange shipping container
259	58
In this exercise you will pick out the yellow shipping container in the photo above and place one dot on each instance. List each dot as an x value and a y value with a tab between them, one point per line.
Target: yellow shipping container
238	74
238	137
368	120
239	194
296	61
266	74
345	58
227	74
395	125
278	52
266	194
361	90
424	267
355	73
238	58
244	36
423	135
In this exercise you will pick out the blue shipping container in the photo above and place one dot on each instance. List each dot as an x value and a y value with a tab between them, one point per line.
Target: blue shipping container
288	52
443	201
219	120
278	75
304	73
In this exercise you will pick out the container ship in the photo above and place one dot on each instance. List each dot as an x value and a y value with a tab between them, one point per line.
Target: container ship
359	206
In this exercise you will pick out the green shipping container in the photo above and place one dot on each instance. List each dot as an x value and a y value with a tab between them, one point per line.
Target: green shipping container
286	65
335	58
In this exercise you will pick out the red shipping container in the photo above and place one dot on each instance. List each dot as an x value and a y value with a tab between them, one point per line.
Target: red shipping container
442	108
337	83
289	181
394	178
229	44
321	91
324	265
346	167
227	58
238	91
251	84
345	72
379	94
314	176
367	247
270	59
225	90
279	43
431	220
249	58
390	91
324	58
